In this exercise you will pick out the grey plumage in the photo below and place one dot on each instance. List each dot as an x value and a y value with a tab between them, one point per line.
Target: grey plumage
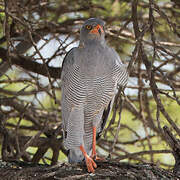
90	75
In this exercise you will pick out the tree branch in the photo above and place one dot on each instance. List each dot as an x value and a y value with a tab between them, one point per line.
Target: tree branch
28	64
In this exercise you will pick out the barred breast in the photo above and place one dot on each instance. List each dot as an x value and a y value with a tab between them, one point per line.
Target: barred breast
88	85
72	101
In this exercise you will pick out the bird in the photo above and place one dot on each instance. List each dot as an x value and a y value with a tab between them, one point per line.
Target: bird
90	77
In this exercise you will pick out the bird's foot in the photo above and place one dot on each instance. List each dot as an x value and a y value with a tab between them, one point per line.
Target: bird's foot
89	161
90	164
99	158
95	157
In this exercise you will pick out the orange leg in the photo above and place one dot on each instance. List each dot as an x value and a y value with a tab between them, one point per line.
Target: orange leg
94	155
94	143
89	161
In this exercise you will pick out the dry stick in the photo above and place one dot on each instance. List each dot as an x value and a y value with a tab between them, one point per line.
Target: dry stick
139	35
157	77
175	146
55	156
156	96
18	149
132	142
124	26
130	106
121	149
164	63
40	86
148	88
142	99
40	153
149	117
20	108
40	103
7	30
33	138
133	59
165	78
131	40
151	28
137	32
5	134
130	155
118	128
133	156
137	47
45	65
20	93
158	122
168	52
114	112
153	85
29	128
163	15
22	80
134	132
142	107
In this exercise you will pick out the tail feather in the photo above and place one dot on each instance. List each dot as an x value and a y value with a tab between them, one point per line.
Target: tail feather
105	116
75	156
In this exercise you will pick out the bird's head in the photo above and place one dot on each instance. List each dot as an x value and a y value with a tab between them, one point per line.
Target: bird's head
92	30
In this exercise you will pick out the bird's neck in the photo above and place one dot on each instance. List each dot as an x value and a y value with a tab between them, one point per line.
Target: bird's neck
92	42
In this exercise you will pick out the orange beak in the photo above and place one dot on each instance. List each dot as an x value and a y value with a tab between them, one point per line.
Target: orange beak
97	30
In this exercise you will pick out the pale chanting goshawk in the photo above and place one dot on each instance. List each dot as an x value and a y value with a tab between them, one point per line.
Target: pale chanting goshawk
91	74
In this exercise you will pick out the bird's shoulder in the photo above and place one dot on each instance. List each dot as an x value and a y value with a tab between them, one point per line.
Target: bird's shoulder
69	58
113	53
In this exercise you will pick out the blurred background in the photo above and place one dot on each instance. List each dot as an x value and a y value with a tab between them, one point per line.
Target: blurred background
35	35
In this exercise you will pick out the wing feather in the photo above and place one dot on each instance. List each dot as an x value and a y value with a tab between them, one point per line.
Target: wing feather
71	101
67	67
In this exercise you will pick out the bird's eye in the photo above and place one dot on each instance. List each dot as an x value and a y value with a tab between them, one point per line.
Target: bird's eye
89	27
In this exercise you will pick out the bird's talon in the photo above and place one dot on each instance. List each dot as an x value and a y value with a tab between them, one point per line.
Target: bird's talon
90	164
95	157
99	158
